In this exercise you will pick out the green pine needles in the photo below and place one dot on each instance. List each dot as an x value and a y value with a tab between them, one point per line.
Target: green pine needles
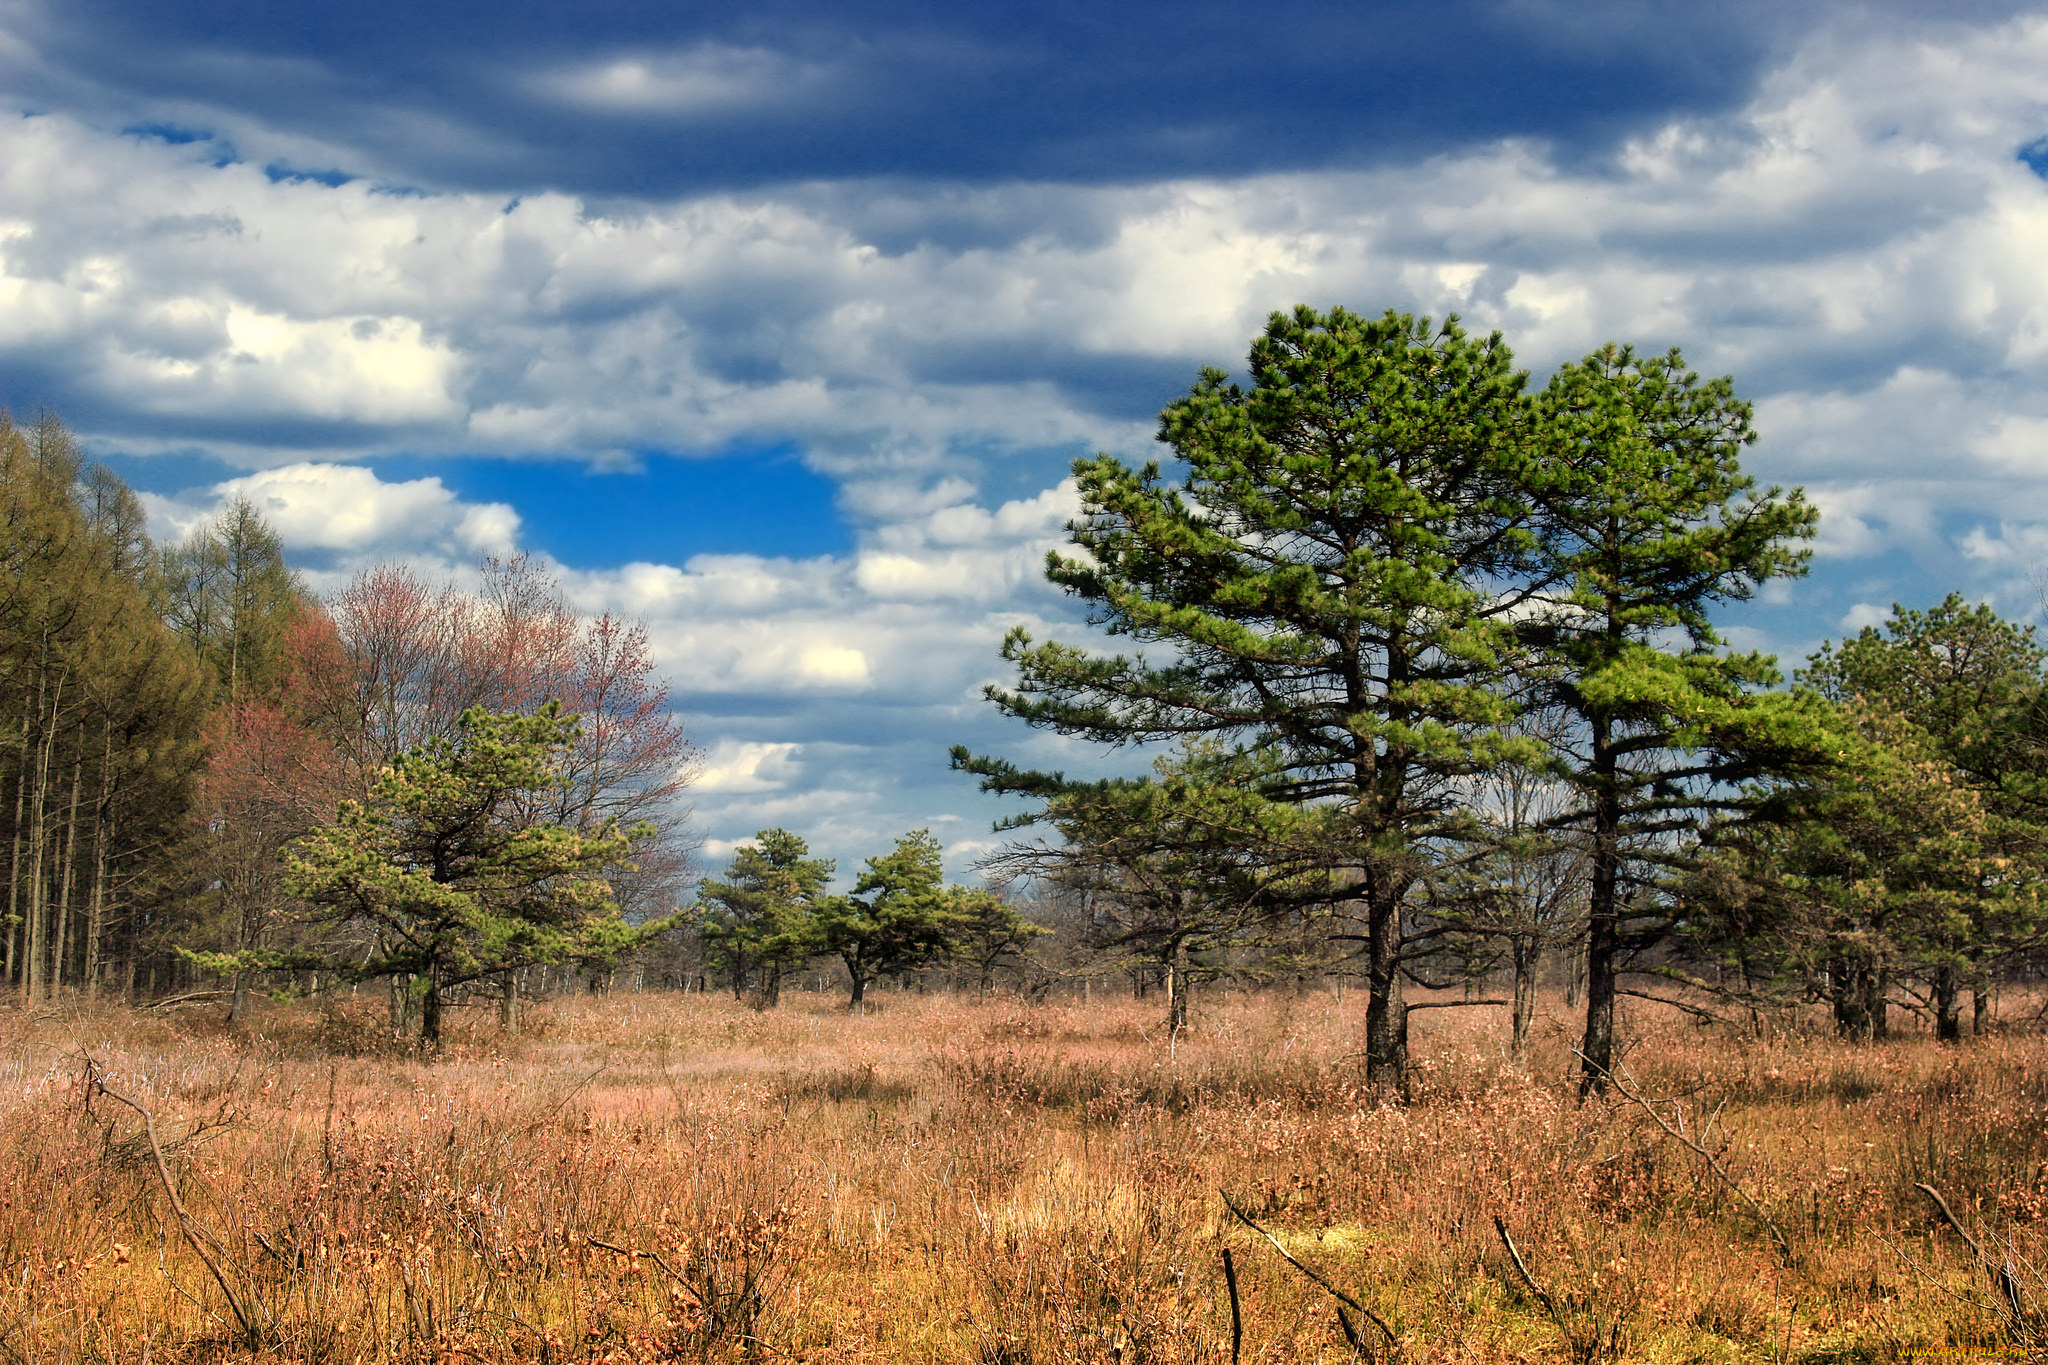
452	869
1384	555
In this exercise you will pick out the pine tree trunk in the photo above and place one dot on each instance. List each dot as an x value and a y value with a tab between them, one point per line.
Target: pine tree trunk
1603	917
1876	989
1386	1009
508	1005
430	1014
1948	1023
38	840
1851	991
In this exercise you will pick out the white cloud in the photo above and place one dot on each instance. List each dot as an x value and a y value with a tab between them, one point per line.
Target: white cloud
1859	246
746	766
348	509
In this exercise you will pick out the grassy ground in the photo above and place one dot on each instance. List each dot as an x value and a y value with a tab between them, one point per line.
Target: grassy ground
682	1178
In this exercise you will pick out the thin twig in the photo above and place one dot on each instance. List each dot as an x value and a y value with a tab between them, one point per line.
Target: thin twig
1312	1274
1236	1317
654	1257
252	1331
1521	1268
1452	1004
1624	1085
563	1103
2000	1274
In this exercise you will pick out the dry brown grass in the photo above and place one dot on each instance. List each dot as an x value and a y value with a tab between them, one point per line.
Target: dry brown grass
662	1178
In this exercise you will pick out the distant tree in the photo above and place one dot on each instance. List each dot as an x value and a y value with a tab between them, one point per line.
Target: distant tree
992	934
100	710
274	772
1882	879
230	596
1518	891
445	865
1962	673
900	917
1178	868
1960	688
761	922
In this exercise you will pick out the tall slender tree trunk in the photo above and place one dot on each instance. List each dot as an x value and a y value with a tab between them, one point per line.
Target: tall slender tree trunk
62	937
17	930
508	1004
38	840
1528	952
1176	994
95	917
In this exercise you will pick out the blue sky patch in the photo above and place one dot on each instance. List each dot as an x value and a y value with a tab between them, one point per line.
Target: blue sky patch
663	512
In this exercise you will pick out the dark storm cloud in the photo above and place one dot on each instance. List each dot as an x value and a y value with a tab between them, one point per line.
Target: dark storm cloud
624	98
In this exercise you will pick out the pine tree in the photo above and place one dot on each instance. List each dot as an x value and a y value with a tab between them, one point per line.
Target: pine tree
1185	865
458	885
761	921
1962	686
1332	588
901	916
1647	524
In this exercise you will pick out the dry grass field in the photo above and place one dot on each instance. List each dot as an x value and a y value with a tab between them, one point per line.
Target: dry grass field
652	1177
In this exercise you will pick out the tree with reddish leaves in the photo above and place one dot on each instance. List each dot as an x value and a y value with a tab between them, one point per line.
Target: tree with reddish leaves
270	778
396	634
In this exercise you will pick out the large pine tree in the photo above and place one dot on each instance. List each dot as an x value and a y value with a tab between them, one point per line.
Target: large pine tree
1330	589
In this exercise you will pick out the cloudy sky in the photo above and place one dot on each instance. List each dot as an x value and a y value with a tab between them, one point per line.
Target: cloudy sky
778	325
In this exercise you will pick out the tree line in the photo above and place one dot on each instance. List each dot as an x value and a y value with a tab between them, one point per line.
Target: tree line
181	720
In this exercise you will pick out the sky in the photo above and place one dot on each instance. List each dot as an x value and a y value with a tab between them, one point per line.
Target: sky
778	326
